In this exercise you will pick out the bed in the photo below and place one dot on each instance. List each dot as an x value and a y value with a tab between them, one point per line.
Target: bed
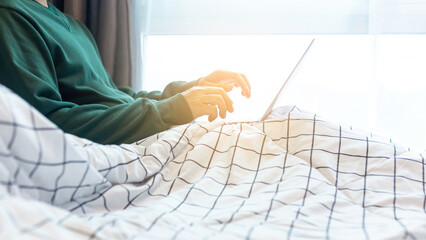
294	176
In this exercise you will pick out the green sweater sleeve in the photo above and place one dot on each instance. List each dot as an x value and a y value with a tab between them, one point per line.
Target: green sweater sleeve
171	89
124	123
27	66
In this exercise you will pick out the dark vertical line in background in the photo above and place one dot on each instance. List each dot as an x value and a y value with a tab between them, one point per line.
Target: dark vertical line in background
129	81
89	16
93	19
59	4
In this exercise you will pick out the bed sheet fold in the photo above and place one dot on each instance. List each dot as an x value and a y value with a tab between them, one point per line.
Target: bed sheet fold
295	176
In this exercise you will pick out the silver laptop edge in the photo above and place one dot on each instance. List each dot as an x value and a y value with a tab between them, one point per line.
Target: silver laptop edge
271	106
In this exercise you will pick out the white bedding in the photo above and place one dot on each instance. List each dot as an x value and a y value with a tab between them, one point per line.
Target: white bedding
294	177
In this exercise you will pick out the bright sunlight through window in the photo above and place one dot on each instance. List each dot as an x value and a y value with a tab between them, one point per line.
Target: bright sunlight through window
375	84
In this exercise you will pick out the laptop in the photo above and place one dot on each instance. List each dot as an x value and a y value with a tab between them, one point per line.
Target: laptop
236	118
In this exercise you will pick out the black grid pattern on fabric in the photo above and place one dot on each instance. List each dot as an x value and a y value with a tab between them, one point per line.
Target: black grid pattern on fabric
364	189
180	189
26	137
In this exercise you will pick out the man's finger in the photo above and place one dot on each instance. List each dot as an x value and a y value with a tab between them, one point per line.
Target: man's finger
244	85
246	81
225	86
220	91
241	81
218	101
211	111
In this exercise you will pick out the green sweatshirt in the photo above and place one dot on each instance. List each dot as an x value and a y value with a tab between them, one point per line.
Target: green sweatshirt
52	61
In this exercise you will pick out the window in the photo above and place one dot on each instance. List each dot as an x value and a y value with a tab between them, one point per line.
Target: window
365	69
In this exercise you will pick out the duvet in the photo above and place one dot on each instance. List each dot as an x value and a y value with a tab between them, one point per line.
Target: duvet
294	176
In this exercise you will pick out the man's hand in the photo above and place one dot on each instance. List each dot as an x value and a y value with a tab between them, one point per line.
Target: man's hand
227	80
203	101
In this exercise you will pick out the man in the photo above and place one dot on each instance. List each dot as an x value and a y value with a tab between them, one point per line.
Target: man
52	61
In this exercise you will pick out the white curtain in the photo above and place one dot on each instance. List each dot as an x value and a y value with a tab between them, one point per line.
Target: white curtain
139	17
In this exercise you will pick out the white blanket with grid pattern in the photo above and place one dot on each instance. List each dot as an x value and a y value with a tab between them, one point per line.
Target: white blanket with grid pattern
294	177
